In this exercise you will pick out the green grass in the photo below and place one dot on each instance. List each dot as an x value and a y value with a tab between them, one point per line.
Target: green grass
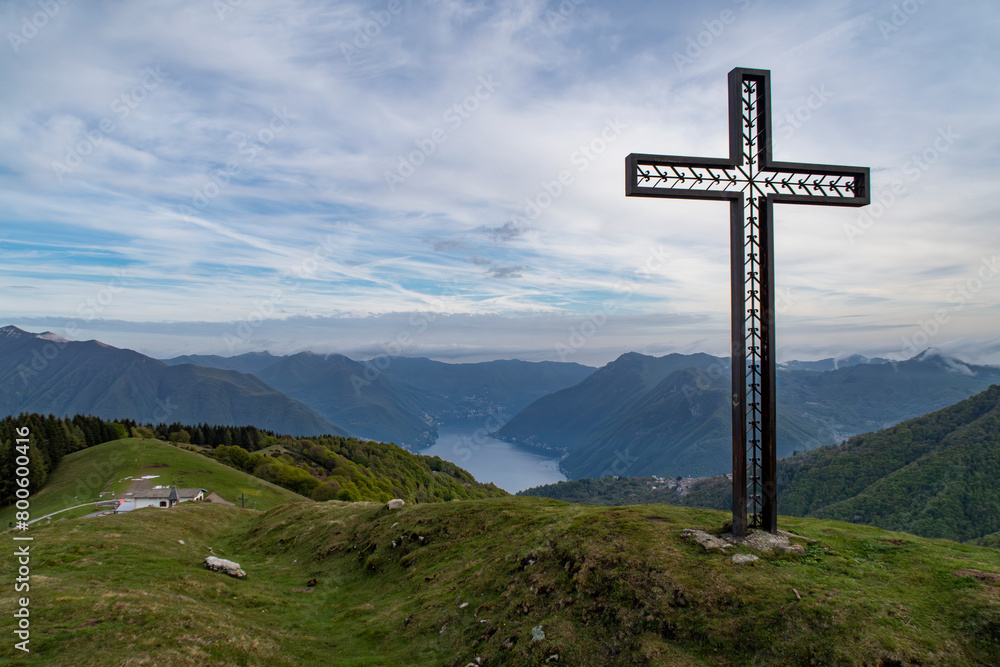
608	585
82	475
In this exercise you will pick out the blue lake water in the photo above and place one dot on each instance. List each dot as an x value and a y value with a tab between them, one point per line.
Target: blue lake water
509	466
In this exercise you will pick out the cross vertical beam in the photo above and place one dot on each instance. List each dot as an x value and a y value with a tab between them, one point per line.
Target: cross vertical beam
752	183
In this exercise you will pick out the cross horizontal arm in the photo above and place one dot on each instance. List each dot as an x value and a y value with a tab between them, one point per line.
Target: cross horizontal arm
711	178
677	177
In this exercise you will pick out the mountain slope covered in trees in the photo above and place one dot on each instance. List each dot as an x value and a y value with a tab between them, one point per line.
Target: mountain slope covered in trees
669	416
934	476
320	468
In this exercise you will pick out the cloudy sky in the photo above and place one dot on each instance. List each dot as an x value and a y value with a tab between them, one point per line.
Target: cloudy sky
446	178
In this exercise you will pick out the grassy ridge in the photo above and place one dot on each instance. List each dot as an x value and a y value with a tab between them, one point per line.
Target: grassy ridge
82	475
605	586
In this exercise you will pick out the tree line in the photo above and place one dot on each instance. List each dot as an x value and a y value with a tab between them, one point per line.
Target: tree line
51	438
322	468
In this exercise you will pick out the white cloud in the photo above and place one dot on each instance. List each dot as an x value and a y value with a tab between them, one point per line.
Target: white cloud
308	117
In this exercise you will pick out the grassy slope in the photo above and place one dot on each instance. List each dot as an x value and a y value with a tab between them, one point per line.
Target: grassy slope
607	585
82	475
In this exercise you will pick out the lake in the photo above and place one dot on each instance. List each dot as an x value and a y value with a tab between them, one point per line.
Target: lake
511	467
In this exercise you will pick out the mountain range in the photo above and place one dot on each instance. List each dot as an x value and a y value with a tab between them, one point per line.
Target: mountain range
638	415
671	415
390	399
45	374
402	399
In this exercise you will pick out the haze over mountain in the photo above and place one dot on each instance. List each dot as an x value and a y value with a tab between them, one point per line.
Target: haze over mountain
402	399
42	373
643	415
336	387
831	363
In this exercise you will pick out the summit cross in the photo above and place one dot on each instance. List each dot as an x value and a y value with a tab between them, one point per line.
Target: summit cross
752	183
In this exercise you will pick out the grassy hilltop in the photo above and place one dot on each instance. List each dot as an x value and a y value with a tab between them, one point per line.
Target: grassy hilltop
442	583
83	474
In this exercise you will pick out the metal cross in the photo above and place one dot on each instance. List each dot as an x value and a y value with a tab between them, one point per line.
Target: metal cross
752	183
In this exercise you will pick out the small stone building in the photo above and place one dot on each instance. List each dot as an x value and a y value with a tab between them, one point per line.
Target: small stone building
163	498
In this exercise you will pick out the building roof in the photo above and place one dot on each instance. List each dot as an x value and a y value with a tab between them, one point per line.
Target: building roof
171	493
214	497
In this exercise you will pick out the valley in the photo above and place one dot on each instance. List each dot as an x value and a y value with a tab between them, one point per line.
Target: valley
636	416
466	573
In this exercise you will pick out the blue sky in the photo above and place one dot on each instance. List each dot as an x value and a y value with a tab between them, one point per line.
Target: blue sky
446	178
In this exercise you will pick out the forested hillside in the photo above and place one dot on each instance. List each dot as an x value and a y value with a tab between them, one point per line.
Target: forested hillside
642	415
934	476
337	468
50	439
323	468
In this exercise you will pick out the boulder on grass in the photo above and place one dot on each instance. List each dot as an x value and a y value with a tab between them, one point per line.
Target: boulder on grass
395	503
223	565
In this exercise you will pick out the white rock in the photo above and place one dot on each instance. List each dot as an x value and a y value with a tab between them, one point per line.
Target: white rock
223	565
710	542
537	634
395	503
742	559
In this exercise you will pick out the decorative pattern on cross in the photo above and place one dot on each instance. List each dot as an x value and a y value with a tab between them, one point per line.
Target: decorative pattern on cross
752	182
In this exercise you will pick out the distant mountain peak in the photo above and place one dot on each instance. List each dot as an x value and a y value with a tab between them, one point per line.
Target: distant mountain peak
11	331
935	356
